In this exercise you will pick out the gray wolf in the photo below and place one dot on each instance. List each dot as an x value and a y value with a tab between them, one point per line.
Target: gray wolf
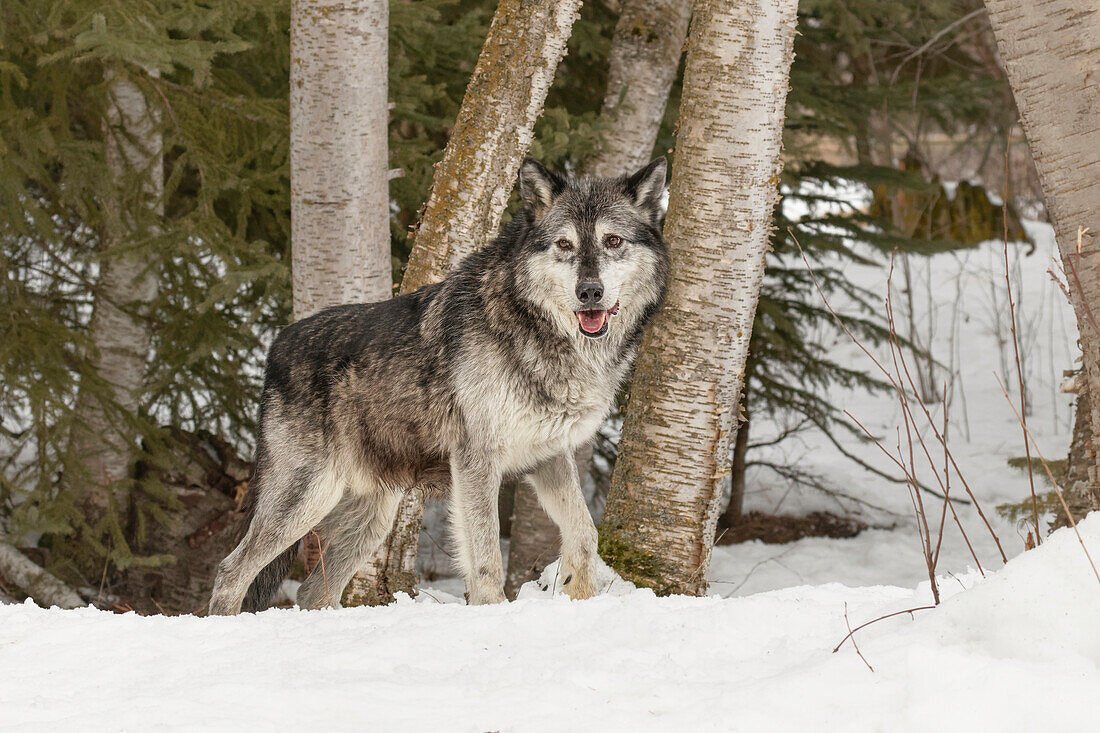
502	369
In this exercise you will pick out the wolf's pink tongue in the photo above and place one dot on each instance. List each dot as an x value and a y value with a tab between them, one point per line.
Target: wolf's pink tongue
592	321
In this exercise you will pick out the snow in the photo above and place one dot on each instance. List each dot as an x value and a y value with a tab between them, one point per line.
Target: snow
1015	650
997	656
968	317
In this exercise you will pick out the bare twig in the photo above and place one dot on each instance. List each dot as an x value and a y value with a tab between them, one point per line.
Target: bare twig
1016	353
1050	475
931	41
882	474
852	632
321	561
898	382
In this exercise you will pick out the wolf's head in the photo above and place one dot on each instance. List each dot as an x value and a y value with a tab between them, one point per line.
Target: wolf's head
594	257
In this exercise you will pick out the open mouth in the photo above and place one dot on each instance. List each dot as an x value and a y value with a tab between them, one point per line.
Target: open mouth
594	322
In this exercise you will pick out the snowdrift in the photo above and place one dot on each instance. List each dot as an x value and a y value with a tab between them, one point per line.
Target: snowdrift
1016	650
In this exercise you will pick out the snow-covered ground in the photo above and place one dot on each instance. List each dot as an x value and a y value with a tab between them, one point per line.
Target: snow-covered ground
969	319
1016	650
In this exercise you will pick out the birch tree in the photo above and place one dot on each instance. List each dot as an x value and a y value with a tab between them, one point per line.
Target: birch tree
339	192
493	130
101	441
339	198
643	62
664	500
1051	53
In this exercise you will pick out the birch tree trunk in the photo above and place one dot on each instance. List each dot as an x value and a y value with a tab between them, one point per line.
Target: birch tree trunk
664	501
644	60
535	540
493	130
100	445
339	194
339	159
1051	52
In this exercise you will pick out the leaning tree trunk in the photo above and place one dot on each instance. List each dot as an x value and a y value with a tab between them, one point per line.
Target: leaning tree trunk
102	438
661	513
339	192
644	59
1051	52
492	133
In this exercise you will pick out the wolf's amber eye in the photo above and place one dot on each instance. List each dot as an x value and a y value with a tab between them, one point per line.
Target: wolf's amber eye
613	241
564	244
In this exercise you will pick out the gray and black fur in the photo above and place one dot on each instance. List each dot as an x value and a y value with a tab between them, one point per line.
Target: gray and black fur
502	369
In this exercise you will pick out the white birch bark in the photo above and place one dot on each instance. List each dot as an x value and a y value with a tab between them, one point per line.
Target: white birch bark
664	501
643	62
645	56
1051	52
339	158
339	193
493	130
100	444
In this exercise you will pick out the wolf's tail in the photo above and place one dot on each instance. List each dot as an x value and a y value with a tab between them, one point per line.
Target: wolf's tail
266	584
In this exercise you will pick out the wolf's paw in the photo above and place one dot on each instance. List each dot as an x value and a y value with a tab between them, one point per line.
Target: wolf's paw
579	580
485	594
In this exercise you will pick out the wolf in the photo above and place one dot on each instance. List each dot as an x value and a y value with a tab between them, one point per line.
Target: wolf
503	369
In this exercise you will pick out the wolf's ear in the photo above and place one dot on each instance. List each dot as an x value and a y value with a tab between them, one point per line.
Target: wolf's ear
647	186
538	186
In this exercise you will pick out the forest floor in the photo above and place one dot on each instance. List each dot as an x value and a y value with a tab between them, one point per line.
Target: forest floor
1002	652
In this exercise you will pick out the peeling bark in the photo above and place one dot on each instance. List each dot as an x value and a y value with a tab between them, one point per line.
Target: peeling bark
664	501
644	59
101	441
494	129
1051	53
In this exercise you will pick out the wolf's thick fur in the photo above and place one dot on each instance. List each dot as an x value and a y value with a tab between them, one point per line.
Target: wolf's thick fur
504	368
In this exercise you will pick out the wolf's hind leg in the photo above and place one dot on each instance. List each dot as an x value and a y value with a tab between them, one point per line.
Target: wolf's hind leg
475	484
288	505
349	534
559	491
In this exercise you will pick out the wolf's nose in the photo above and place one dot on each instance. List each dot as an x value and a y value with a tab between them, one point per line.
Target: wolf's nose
589	292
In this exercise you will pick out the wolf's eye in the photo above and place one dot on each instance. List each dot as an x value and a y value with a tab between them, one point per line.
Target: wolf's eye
613	241
564	244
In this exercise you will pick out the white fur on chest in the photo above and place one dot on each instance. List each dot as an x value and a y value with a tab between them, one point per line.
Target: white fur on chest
519	427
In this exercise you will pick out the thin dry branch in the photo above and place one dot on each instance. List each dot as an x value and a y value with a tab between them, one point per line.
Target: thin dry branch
898	383
852	632
942	438
1050	475
1016	353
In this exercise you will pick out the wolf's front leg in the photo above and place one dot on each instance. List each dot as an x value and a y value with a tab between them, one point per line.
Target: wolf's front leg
559	491
475	484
